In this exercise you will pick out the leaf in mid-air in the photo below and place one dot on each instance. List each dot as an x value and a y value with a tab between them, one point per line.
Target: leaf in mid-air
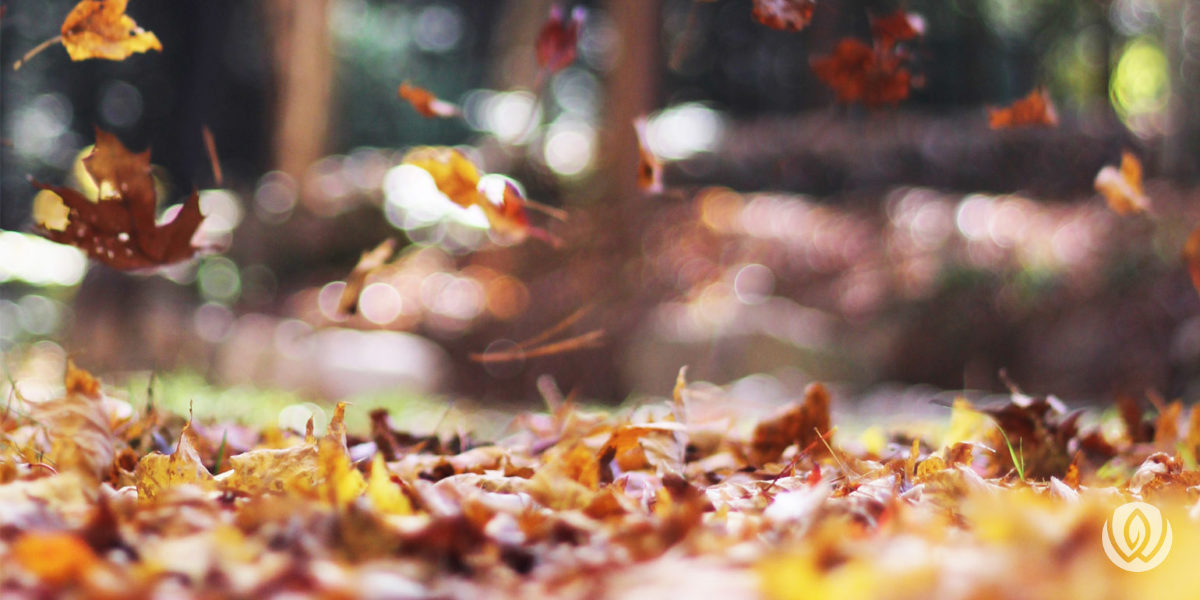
784	15
426	103
1030	111
1122	188
859	73
119	228
557	40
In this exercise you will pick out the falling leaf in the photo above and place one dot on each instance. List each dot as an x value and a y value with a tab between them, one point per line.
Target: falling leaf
1032	110
899	26
368	263
1123	188
784	15
120	228
210	146
859	73
650	170
426	103
1191	257
461	181
557	40
99	29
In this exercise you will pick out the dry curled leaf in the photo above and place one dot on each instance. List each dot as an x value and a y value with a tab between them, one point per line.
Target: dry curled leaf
1034	110
1122	188
156	473
784	15
802	424
101	29
368	263
650	169
425	103
859	73
120	228
76	431
557	40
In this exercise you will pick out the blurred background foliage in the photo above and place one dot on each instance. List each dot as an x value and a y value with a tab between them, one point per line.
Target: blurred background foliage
908	246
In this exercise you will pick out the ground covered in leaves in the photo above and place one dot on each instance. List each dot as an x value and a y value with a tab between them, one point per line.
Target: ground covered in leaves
681	497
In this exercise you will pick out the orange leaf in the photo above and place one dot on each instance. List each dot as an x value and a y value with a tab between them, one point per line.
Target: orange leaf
1191	256
650	170
53	557
120	228
784	15
1123	188
558	38
859	73
100	29
460	180
897	27
426	103
1034	109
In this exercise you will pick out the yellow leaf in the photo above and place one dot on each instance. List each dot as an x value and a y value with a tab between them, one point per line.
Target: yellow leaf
157	472
385	495
100	29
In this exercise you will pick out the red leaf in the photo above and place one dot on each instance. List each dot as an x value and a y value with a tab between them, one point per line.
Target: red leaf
784	15
556	42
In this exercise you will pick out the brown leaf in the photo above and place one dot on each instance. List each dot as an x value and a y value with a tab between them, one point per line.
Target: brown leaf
650	169
800	424
120	227
368	263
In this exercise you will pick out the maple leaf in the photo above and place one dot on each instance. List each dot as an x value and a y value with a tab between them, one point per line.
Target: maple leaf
795	423
1122	189
899	26
427	104
156	472
99	29
557	40
119	228
859	73
784	15
1034	110
462	182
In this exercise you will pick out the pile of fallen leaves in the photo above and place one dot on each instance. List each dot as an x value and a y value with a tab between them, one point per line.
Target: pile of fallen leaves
680	497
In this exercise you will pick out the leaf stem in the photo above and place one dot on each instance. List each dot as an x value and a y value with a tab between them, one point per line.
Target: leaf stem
36	49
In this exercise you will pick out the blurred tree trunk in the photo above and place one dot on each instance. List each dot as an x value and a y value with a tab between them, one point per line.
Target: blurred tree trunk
1181	39
631	91
302	61
512	56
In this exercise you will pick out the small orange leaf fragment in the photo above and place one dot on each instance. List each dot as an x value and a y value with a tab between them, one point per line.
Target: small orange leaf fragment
1123	188
650	170
784	15
1191	256
1032	110
100	29
427	104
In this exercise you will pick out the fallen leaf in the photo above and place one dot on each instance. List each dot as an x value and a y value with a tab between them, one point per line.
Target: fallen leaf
801	424
54	557
120	228
155	472
427	104
859	73
558	38
1032	110
1122	188
385	495
76	429
784	15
